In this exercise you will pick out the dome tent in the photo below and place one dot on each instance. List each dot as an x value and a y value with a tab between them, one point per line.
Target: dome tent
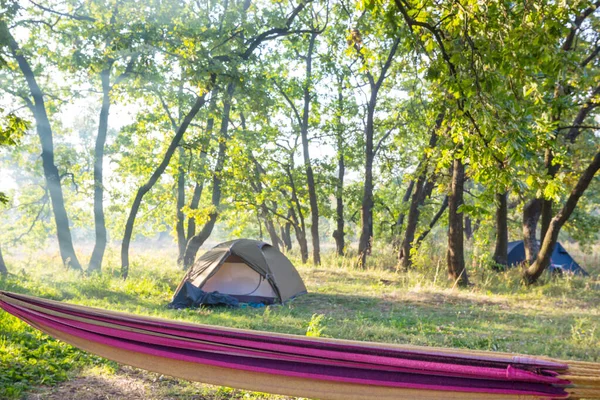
561	260
248	270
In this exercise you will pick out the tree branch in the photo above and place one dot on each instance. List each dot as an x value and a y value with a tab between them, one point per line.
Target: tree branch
72	16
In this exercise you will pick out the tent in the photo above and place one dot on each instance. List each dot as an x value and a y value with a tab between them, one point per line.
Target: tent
250	271
561	260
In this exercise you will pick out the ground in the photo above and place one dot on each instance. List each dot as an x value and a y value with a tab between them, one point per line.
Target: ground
557	318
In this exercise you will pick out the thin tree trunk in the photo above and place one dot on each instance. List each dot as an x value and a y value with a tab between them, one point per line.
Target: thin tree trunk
197	241
3	269
99	219
200	100
366	210
366	231
299	226
501	249
339	234
180	225
400	221
199	187
543	259
196	196
456	257
310	179
531	215
547	204
51	175
422	190
286	235
435	219
468	228
270	226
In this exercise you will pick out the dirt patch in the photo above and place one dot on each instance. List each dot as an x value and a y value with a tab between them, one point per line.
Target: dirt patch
94	388
135	384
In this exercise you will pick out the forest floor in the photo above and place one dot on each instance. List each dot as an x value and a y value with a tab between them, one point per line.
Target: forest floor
558	317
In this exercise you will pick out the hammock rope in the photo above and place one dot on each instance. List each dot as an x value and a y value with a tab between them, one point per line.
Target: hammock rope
301	366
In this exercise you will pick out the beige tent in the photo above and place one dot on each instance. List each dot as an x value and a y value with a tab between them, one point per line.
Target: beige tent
249	270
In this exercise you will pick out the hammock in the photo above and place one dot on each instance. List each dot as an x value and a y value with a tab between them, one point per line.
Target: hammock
300	366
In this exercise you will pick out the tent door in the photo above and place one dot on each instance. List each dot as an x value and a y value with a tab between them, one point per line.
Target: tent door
235	277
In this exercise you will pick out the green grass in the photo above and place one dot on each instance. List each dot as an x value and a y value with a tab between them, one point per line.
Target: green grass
558	317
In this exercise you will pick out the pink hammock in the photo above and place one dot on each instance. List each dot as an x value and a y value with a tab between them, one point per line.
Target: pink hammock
296	365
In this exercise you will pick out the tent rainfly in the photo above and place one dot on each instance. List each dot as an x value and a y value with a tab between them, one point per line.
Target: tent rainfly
561	260
249	270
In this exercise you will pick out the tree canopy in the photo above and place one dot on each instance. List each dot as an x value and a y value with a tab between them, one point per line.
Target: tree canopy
314	124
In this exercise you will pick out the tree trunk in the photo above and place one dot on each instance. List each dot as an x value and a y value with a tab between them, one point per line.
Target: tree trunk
501	250
3	269
99	219
51	175
197	241
421	191
366	232
547	203
270	226
312	191
338	234
299	226
456	258
400	221
468	228
435	219
531	215
180	225
543	259
286	235
196	196
199	187
200	100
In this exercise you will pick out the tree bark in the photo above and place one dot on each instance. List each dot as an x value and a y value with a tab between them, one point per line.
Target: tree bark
456	258
501	249
180	225
366	210
44	132
310	179
468	228
422	190
366	230
200	100
199	187
270	226
299	226
400	221
531	215
339	234
99	219
197	241
547	203
543	258
3	269
286	234
434	220
196	196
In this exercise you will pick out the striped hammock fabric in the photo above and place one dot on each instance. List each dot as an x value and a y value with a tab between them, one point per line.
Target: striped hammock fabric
301	366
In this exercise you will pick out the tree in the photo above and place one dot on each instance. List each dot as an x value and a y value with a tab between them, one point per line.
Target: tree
213	62
196	241
375	78
37	105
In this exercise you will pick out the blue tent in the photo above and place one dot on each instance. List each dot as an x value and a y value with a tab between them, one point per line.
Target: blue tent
561	261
